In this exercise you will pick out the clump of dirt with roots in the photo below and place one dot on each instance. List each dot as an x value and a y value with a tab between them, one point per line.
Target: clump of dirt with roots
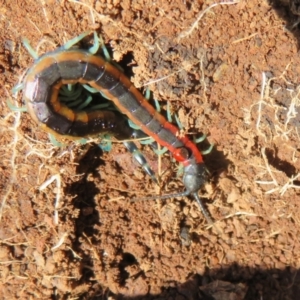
68	227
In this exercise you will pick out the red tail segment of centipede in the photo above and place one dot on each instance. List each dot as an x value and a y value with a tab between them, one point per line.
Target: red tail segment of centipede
133	104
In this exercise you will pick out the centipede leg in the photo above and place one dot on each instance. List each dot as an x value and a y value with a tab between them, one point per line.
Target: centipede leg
18	87
107	55
54	141
136	153
97	43
195	140
200	140
75	40
180	126
15	108
161	151
106	143
30	50
68	95
104	49
208	150
169	115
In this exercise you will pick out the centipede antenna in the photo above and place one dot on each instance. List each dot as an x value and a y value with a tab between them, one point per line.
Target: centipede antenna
203	209
158	197
183	194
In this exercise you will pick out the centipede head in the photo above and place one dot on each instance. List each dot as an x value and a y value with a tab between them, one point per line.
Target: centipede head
195	175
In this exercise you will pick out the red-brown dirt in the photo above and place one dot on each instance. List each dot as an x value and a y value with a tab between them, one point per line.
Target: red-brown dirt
230	71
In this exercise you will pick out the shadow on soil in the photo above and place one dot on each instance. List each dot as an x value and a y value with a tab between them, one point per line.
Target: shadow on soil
226	283
289	11
84	192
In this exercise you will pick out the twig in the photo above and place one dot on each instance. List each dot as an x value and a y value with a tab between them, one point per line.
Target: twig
58	191
195	24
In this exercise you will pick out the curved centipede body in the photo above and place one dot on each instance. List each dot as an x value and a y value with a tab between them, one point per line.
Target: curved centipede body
41	88
69	66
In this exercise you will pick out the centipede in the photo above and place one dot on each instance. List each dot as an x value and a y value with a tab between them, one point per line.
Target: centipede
68	65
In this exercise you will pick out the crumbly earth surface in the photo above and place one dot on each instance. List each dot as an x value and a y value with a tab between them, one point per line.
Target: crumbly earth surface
228	70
